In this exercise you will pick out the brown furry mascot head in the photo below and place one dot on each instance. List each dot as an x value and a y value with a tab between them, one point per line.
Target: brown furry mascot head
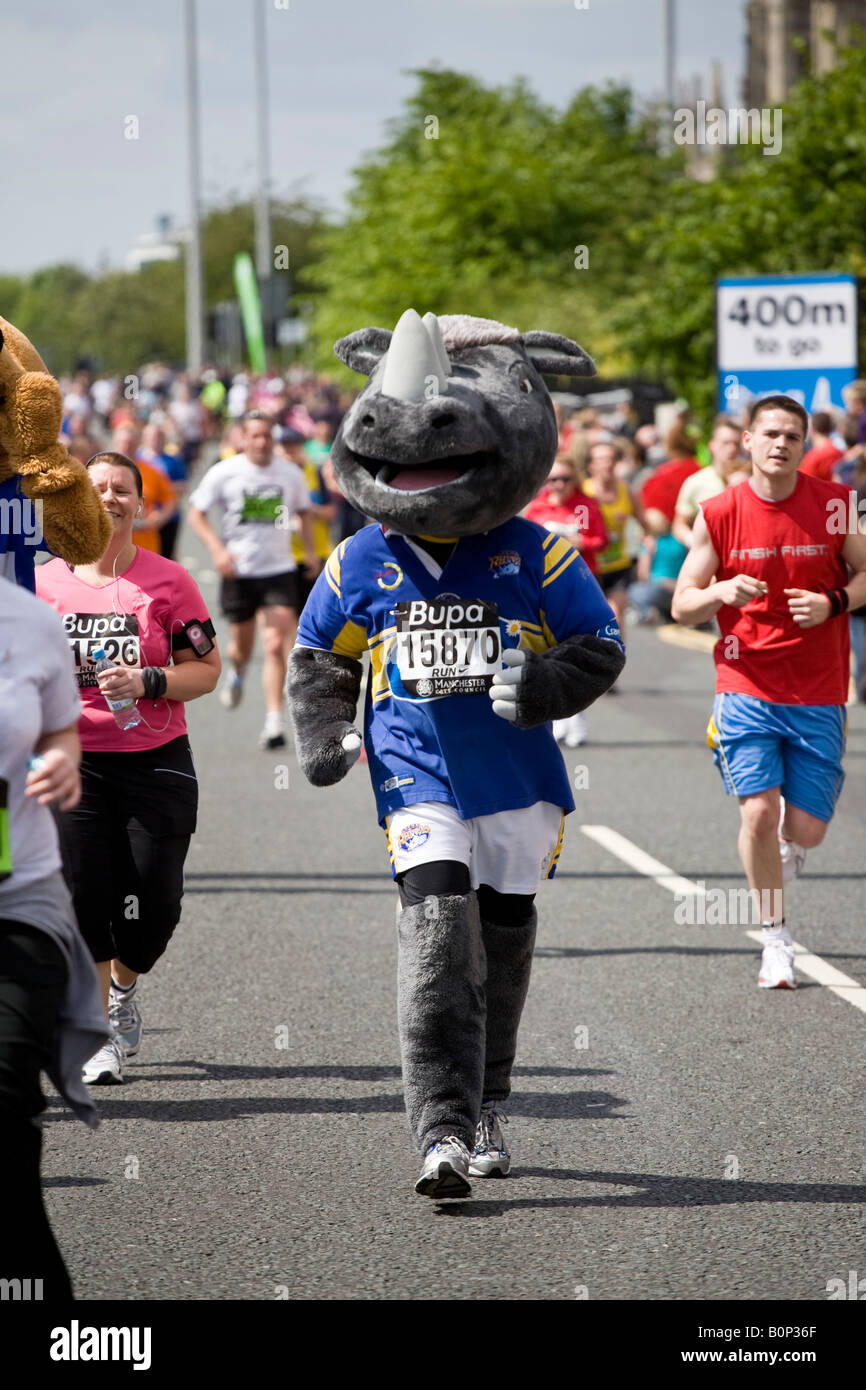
33	466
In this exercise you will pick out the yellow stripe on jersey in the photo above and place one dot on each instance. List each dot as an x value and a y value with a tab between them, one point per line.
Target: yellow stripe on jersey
549	538
351	640
379	648
557	572
548	635
557	552
333	568
387	828
533	641
330	571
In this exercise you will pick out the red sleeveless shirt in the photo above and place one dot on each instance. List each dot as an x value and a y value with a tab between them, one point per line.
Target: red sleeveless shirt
793	544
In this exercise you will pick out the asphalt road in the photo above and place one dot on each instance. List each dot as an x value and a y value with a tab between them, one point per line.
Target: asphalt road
676	1132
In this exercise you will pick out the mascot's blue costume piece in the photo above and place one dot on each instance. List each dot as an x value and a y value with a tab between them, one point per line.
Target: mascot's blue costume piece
482	628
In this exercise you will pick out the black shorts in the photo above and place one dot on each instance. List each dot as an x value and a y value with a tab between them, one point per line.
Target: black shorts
616	579
241	599
124	847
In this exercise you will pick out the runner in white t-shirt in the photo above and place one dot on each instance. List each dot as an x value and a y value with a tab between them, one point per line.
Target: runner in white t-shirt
257	494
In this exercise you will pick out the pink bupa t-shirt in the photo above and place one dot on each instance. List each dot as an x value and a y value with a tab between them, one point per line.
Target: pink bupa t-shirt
133	619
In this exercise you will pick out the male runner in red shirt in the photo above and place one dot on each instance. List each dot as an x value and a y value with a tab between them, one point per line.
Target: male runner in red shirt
770	559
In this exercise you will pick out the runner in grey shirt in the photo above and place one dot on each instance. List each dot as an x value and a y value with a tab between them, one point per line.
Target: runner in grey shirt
51	1014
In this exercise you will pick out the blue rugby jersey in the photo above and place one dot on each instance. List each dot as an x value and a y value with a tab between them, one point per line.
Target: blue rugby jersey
515	586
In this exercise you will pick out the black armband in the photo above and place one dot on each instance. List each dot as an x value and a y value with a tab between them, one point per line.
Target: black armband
196	636
155	682
838	601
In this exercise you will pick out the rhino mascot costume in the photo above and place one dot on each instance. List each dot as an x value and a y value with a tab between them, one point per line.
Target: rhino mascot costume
482	628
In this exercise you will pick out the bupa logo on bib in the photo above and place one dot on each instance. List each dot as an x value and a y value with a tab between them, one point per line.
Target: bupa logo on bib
413	837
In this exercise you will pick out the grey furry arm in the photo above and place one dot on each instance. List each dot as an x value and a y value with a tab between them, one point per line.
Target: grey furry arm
322	691
566	679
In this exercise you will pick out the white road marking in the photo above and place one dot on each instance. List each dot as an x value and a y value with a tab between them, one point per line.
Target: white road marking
813	966
637	858
208	576
189	562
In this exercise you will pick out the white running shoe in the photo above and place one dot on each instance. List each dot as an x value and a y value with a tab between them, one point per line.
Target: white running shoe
793	855
105	1067
231	689
446	1170
124	1016
777	966
576	732
490	1158
571	731
273	735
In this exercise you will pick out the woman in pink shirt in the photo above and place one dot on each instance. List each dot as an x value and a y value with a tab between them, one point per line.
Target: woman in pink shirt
125	843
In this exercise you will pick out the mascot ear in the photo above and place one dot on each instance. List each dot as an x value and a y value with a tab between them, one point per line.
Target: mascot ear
554	355
363	350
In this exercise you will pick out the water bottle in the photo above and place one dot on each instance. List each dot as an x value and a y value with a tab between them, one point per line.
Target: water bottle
125	712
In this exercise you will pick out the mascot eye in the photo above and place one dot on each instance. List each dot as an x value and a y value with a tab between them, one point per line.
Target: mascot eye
525	385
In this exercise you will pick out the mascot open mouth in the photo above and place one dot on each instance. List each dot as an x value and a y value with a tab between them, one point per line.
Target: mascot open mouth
421	477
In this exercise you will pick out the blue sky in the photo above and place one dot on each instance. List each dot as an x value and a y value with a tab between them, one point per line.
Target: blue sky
76	190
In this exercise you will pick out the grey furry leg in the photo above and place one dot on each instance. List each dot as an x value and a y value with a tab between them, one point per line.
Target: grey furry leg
441	1013
509	962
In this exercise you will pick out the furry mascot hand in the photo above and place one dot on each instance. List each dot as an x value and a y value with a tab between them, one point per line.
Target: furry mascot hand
555	684
322	690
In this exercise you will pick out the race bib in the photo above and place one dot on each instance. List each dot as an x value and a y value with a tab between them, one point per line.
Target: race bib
117	632
5	840
447	646
262	506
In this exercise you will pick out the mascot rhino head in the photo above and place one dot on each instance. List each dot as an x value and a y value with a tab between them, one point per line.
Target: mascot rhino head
454	432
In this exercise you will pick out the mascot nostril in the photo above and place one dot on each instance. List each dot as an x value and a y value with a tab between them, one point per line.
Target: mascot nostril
481	628
51	500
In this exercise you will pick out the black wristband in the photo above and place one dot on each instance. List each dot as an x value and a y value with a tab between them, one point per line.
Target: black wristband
833	599
838	601
155	682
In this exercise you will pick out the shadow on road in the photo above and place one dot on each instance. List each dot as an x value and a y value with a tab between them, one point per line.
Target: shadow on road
550	1105
658	1190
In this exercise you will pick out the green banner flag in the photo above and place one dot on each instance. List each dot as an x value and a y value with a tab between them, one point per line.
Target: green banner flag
251	311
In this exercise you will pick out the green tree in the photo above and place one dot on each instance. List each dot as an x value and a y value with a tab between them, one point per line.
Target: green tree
802	210
476	204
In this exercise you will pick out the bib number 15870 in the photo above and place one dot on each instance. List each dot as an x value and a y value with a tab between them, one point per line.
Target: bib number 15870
447	647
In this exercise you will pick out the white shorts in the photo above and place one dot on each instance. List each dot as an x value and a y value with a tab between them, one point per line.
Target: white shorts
509	850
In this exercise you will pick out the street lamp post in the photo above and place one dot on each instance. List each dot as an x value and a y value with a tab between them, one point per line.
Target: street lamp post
194	297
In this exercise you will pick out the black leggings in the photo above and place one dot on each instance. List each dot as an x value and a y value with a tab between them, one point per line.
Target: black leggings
446	876
124	847
32	988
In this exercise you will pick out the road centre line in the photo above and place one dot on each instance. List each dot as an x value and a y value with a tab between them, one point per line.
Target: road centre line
807	963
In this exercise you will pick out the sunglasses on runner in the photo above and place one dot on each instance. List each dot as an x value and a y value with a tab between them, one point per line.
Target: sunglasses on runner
559	478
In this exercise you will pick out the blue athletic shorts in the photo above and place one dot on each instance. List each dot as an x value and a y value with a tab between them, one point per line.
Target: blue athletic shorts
757	745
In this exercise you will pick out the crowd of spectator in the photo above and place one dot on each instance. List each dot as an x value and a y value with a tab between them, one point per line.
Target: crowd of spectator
625	493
